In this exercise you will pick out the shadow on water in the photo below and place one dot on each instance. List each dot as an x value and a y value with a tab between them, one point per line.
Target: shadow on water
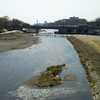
18	65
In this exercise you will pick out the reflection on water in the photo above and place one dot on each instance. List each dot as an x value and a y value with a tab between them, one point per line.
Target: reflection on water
47	94
18	65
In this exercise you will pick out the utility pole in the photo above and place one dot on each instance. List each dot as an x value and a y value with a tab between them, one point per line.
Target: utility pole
37	21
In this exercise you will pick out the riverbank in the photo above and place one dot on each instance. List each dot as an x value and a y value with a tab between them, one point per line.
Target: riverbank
88	49
17	40
92	40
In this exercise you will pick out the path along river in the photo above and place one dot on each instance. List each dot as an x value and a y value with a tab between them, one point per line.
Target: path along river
18	65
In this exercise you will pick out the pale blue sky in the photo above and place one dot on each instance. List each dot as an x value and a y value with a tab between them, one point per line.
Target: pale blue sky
49	10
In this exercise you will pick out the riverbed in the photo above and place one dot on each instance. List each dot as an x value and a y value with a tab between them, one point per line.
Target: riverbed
18	65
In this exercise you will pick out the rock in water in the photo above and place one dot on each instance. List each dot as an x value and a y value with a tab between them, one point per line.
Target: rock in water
50	77
70	77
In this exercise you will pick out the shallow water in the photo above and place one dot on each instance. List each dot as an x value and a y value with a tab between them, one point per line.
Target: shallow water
18	65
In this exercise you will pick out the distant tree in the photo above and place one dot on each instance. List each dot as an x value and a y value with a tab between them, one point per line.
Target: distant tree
97	21
4	21
8	24
17	23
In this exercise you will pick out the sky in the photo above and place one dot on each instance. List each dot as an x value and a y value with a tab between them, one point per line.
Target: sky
49	10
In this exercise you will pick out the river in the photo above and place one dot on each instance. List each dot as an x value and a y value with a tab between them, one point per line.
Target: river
18	65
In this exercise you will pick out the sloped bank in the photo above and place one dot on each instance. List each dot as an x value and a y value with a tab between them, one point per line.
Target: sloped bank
90	59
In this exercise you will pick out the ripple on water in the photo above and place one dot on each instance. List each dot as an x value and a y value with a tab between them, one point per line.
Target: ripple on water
27	93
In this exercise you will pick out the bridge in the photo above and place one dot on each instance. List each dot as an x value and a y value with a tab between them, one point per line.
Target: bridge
65	29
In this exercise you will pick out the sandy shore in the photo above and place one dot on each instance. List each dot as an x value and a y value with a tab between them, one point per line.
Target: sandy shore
17	41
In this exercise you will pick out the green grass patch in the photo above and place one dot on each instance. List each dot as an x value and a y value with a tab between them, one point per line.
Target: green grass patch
45	77
53	68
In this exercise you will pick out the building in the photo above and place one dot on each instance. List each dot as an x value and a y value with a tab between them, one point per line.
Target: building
45	22
71	21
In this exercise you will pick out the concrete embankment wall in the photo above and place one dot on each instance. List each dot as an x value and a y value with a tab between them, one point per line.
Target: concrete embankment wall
90	59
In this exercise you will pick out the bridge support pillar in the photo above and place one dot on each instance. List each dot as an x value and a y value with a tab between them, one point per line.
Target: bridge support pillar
37	30
63	31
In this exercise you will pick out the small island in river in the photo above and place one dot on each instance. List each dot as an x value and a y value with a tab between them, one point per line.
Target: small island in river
50	77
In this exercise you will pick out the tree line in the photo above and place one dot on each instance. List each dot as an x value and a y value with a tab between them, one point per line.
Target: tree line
95	23
9	25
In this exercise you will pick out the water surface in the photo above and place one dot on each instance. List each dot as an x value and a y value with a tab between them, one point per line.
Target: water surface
18	65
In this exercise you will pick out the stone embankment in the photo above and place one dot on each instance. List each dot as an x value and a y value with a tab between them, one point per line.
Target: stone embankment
90	59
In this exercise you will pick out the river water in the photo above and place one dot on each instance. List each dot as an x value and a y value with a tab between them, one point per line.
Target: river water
18	65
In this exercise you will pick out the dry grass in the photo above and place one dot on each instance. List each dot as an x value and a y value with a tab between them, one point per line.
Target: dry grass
97	46
97	42
93	41
10	36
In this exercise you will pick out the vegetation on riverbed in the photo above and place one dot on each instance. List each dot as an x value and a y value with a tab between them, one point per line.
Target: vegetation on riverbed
49	77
